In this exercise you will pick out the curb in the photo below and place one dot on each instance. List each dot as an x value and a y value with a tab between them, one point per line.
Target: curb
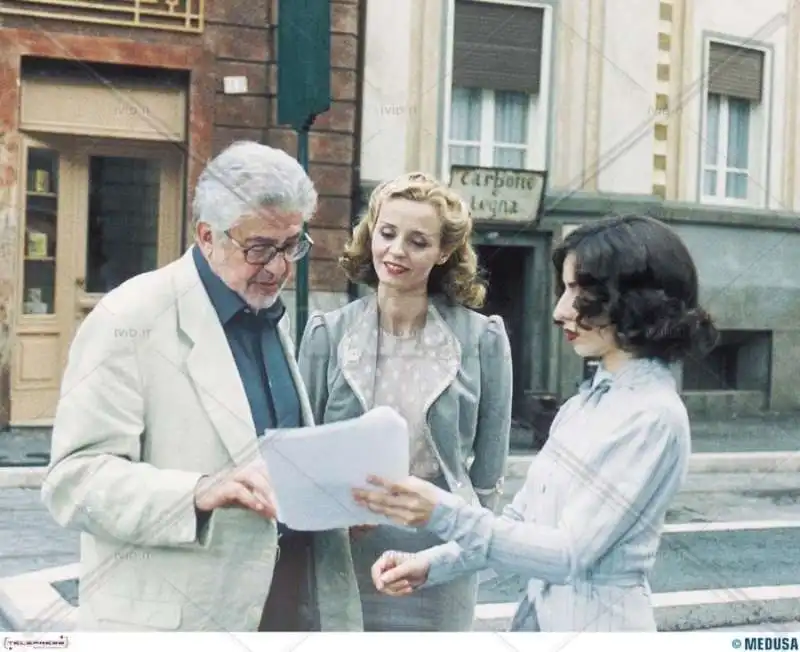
683	611
755	462
26	599
29	477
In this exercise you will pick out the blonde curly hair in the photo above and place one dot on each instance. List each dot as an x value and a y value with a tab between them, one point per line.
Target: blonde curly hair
458	277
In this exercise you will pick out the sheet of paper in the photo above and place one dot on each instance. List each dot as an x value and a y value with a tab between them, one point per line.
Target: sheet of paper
313	470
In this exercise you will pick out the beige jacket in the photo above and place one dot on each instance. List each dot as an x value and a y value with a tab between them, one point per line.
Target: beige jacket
151	400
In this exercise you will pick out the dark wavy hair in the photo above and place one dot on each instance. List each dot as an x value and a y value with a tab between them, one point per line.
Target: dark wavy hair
636	274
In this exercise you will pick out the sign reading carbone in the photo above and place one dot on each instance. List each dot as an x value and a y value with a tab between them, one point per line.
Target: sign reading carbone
496	194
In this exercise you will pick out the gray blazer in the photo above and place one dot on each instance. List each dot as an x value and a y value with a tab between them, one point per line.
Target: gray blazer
469	415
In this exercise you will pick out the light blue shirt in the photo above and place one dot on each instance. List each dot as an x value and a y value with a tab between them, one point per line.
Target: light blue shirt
592	508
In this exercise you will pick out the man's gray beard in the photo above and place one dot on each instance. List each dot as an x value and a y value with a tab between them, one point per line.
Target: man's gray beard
266	302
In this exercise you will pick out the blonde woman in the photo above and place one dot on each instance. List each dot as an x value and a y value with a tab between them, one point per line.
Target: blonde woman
417	345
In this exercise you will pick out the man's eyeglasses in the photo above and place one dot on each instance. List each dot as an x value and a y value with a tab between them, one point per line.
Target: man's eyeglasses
264	254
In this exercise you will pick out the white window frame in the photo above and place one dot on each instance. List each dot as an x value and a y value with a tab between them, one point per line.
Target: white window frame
721	168
758	146
537	154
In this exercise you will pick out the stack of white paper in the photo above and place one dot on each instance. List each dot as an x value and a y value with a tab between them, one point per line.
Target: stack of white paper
314	470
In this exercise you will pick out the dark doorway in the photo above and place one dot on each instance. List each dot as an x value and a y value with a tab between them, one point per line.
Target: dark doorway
506	269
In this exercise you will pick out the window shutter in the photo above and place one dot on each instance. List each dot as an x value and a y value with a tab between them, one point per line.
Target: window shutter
497	47
735	71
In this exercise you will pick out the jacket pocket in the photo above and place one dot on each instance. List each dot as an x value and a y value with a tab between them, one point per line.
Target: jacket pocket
141	613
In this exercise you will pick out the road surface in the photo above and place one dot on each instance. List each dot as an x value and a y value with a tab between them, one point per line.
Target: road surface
704	560
30	540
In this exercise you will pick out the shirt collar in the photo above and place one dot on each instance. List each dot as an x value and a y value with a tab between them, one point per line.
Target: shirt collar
226	302
633	372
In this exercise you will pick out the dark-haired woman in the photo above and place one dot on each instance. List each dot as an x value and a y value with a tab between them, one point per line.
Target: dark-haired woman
585	527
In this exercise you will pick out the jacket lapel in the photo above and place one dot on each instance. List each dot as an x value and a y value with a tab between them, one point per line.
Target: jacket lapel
211	366
358	354
441	342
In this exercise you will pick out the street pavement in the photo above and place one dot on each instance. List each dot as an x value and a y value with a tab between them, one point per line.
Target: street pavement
703	559
707	557
29	538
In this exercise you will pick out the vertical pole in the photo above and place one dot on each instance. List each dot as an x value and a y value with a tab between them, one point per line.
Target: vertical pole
301	281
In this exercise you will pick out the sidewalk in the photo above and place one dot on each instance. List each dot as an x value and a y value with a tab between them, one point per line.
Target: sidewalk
767	433
25	447
767	444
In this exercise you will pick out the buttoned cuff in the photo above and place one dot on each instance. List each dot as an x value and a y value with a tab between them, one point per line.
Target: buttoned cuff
445	563
468	526
445	514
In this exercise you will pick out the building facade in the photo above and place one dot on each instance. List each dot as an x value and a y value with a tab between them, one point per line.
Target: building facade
683	109
108	113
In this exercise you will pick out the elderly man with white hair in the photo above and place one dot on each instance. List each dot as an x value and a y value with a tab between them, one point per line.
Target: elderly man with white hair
172	381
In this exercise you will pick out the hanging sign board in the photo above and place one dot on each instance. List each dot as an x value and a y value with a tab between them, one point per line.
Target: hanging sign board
500	195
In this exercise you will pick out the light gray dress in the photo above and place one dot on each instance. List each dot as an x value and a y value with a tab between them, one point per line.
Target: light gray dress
406	373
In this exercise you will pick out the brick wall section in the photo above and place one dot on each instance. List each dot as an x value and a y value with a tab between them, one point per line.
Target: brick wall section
242	35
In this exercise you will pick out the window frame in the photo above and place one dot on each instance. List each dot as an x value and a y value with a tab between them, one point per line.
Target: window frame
486	143
537	154
721	168
760	133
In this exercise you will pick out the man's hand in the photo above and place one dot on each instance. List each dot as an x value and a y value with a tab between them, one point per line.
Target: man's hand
399	573
248	487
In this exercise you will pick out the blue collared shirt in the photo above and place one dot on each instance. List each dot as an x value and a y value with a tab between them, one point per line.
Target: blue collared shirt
257	351
592	508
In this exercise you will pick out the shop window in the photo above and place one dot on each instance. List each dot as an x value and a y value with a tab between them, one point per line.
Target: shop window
40	233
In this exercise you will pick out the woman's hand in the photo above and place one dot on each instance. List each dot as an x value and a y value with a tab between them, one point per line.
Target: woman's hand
399	573
410	502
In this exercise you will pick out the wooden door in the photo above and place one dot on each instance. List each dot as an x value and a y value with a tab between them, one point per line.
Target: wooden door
97	212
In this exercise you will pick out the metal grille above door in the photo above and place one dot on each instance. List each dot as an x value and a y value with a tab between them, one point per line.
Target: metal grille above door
735	71
497	47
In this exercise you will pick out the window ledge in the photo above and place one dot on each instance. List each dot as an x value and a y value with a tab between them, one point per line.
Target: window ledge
737	203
